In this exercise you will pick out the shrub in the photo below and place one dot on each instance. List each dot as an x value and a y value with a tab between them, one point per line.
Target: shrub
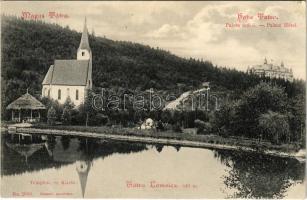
176	127
200	125
99	119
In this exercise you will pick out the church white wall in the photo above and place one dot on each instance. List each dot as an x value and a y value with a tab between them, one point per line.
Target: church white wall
65	93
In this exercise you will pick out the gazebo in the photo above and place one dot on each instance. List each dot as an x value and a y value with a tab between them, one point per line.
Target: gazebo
28	108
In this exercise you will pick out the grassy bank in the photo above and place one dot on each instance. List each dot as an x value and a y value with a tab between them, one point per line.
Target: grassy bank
211	139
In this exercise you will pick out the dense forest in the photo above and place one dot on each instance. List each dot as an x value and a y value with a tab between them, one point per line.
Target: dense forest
30	47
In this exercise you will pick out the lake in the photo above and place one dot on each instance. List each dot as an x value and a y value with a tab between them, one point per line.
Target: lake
62	166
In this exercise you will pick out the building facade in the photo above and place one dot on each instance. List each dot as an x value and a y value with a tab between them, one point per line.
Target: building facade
272	71
70	78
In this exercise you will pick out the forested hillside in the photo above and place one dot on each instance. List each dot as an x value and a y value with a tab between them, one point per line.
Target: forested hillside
30	47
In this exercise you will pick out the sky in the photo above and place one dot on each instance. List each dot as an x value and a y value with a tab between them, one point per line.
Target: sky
190	29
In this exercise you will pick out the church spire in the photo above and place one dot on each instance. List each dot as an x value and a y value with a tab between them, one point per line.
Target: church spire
84	44
83	168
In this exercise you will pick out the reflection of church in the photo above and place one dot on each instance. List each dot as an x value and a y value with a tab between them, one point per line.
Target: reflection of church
27	145
83	167
30	153
79	154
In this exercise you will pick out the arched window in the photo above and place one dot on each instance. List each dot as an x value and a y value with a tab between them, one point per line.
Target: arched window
48	92
77	94
89	82
83	53
59	94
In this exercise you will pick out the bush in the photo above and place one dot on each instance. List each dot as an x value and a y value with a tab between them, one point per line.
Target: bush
176	127
202	127
99	119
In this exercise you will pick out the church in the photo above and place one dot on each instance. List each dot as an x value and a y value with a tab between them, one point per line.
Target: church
70	78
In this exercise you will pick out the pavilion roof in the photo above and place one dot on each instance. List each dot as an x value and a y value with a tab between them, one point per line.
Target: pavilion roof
26	101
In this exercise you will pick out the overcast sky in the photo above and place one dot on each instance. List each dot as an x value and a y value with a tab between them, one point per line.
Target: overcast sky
190	29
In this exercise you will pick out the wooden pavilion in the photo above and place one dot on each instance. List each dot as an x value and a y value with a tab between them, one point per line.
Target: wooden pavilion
27	107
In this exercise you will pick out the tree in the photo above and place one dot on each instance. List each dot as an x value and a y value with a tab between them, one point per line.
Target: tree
223	119
51	116
275	126
256	101
166	116
87	107
67	110
56	106
297	113
66	115
69	104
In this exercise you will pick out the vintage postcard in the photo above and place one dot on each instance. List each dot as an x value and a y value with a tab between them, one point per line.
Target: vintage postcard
153	99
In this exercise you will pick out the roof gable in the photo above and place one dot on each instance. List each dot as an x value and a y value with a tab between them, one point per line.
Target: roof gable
48	77
67	72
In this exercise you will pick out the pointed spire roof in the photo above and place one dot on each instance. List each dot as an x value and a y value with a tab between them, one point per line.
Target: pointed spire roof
84	43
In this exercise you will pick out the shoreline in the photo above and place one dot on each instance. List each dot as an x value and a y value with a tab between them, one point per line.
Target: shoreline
300	155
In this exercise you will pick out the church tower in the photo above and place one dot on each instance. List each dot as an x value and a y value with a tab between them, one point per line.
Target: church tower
84	53
84	50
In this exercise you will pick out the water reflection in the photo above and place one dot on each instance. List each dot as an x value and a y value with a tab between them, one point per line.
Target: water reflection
159	147
26	153
33	152
259	176
236	174
65	140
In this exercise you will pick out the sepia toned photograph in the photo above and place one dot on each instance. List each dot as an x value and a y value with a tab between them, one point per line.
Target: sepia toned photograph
153	99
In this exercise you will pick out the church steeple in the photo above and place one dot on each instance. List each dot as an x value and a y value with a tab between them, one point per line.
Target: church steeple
84	50
84	44
83	168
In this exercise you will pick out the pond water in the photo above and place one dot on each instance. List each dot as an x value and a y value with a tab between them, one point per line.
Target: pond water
58	166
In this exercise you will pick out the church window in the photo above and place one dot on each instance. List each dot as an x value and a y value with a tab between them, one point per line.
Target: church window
59	94
83	53
48	92
77	94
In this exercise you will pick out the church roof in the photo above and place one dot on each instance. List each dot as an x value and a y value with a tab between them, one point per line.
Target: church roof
67	72
48	77
26	101
84	44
